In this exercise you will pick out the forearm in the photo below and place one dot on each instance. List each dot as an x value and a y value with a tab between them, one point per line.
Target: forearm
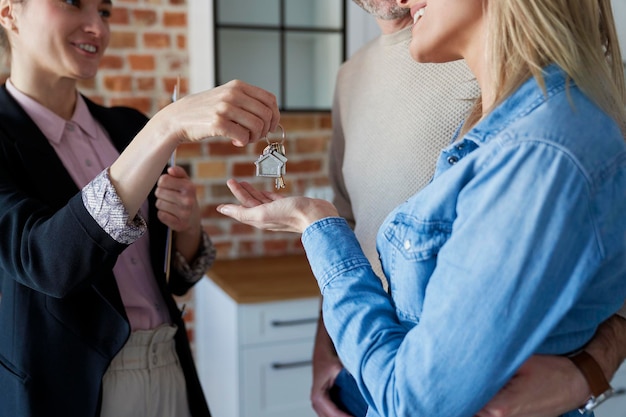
531	392
137	169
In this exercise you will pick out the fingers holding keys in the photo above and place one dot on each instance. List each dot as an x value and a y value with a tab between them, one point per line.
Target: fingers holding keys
262	103
237	110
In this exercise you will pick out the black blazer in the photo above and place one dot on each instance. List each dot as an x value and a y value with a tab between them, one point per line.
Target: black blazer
61	316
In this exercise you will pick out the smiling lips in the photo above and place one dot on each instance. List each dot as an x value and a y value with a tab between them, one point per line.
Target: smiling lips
87	47
418	13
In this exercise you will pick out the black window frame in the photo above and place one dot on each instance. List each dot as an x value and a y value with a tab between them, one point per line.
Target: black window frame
282	29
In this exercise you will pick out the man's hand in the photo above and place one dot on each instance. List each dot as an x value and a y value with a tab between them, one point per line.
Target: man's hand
546	386
326	367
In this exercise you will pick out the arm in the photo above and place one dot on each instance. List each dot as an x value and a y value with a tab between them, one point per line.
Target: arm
326	367
235	110
55	223
326	363
531	393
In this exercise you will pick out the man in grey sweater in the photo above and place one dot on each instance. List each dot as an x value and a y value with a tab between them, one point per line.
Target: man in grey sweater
377	146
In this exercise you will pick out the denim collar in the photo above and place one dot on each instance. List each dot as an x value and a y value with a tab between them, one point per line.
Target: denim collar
523	101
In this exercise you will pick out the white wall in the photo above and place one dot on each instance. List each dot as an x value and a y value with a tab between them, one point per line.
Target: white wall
619	11
361	28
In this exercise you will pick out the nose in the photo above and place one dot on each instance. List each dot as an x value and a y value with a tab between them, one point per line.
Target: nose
94	23
403	3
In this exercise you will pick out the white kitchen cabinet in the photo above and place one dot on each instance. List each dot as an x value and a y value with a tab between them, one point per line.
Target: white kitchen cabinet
255	327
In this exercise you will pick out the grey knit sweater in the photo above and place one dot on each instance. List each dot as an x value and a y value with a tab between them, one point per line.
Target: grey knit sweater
391	118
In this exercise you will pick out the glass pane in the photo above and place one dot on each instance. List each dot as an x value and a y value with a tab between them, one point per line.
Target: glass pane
249	55
313	60
246	12
316	14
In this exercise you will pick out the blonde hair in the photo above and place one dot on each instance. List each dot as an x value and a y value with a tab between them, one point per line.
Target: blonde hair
577	35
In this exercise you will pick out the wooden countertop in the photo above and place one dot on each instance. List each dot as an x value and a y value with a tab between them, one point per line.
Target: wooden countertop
270	278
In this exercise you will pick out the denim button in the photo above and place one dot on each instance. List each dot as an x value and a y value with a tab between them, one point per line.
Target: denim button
460	146
453	160
407	244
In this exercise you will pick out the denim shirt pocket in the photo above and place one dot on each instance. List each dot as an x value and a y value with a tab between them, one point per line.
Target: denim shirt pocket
410	259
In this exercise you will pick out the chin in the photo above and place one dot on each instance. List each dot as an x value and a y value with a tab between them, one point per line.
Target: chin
427	57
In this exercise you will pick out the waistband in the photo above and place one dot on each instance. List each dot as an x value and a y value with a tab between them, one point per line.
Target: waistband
147	349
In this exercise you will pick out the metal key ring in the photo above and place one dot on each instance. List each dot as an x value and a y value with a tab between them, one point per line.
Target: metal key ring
282	141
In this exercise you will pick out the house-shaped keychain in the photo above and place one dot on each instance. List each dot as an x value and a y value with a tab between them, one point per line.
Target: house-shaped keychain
271	163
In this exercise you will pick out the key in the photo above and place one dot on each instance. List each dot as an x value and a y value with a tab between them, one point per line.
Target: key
271	163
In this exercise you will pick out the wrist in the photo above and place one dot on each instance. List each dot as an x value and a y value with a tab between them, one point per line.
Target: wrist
316	209
608	347
598	384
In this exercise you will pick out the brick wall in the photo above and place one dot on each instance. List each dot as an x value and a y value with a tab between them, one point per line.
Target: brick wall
148	51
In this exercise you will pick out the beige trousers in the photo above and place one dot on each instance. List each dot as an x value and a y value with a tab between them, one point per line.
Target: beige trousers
145	379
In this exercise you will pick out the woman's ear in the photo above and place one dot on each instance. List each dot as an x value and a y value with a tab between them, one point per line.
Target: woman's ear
7	18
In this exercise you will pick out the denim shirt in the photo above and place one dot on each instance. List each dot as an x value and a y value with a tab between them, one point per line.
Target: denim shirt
517	247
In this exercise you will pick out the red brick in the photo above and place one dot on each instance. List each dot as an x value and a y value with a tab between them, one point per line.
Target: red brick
222	148
209	211
326	121
142	104
119	16
112	62
142	62
127	40
172	19
118	83
181	42
293	122
189	150
156	40
223	249
146	83
244	169
170	82
211	169
306	166
144	17
242	229
311	145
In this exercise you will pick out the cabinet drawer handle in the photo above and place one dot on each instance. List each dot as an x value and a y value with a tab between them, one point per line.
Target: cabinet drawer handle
298	322
290	365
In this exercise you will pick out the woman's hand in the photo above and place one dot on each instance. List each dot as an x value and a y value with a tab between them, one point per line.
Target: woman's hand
239	111
176	201
271	211
178	209
236	110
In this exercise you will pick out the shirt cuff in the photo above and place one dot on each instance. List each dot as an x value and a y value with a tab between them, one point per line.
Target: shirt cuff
203	261
105	206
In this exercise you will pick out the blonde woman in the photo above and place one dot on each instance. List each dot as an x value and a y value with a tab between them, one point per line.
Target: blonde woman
518	245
